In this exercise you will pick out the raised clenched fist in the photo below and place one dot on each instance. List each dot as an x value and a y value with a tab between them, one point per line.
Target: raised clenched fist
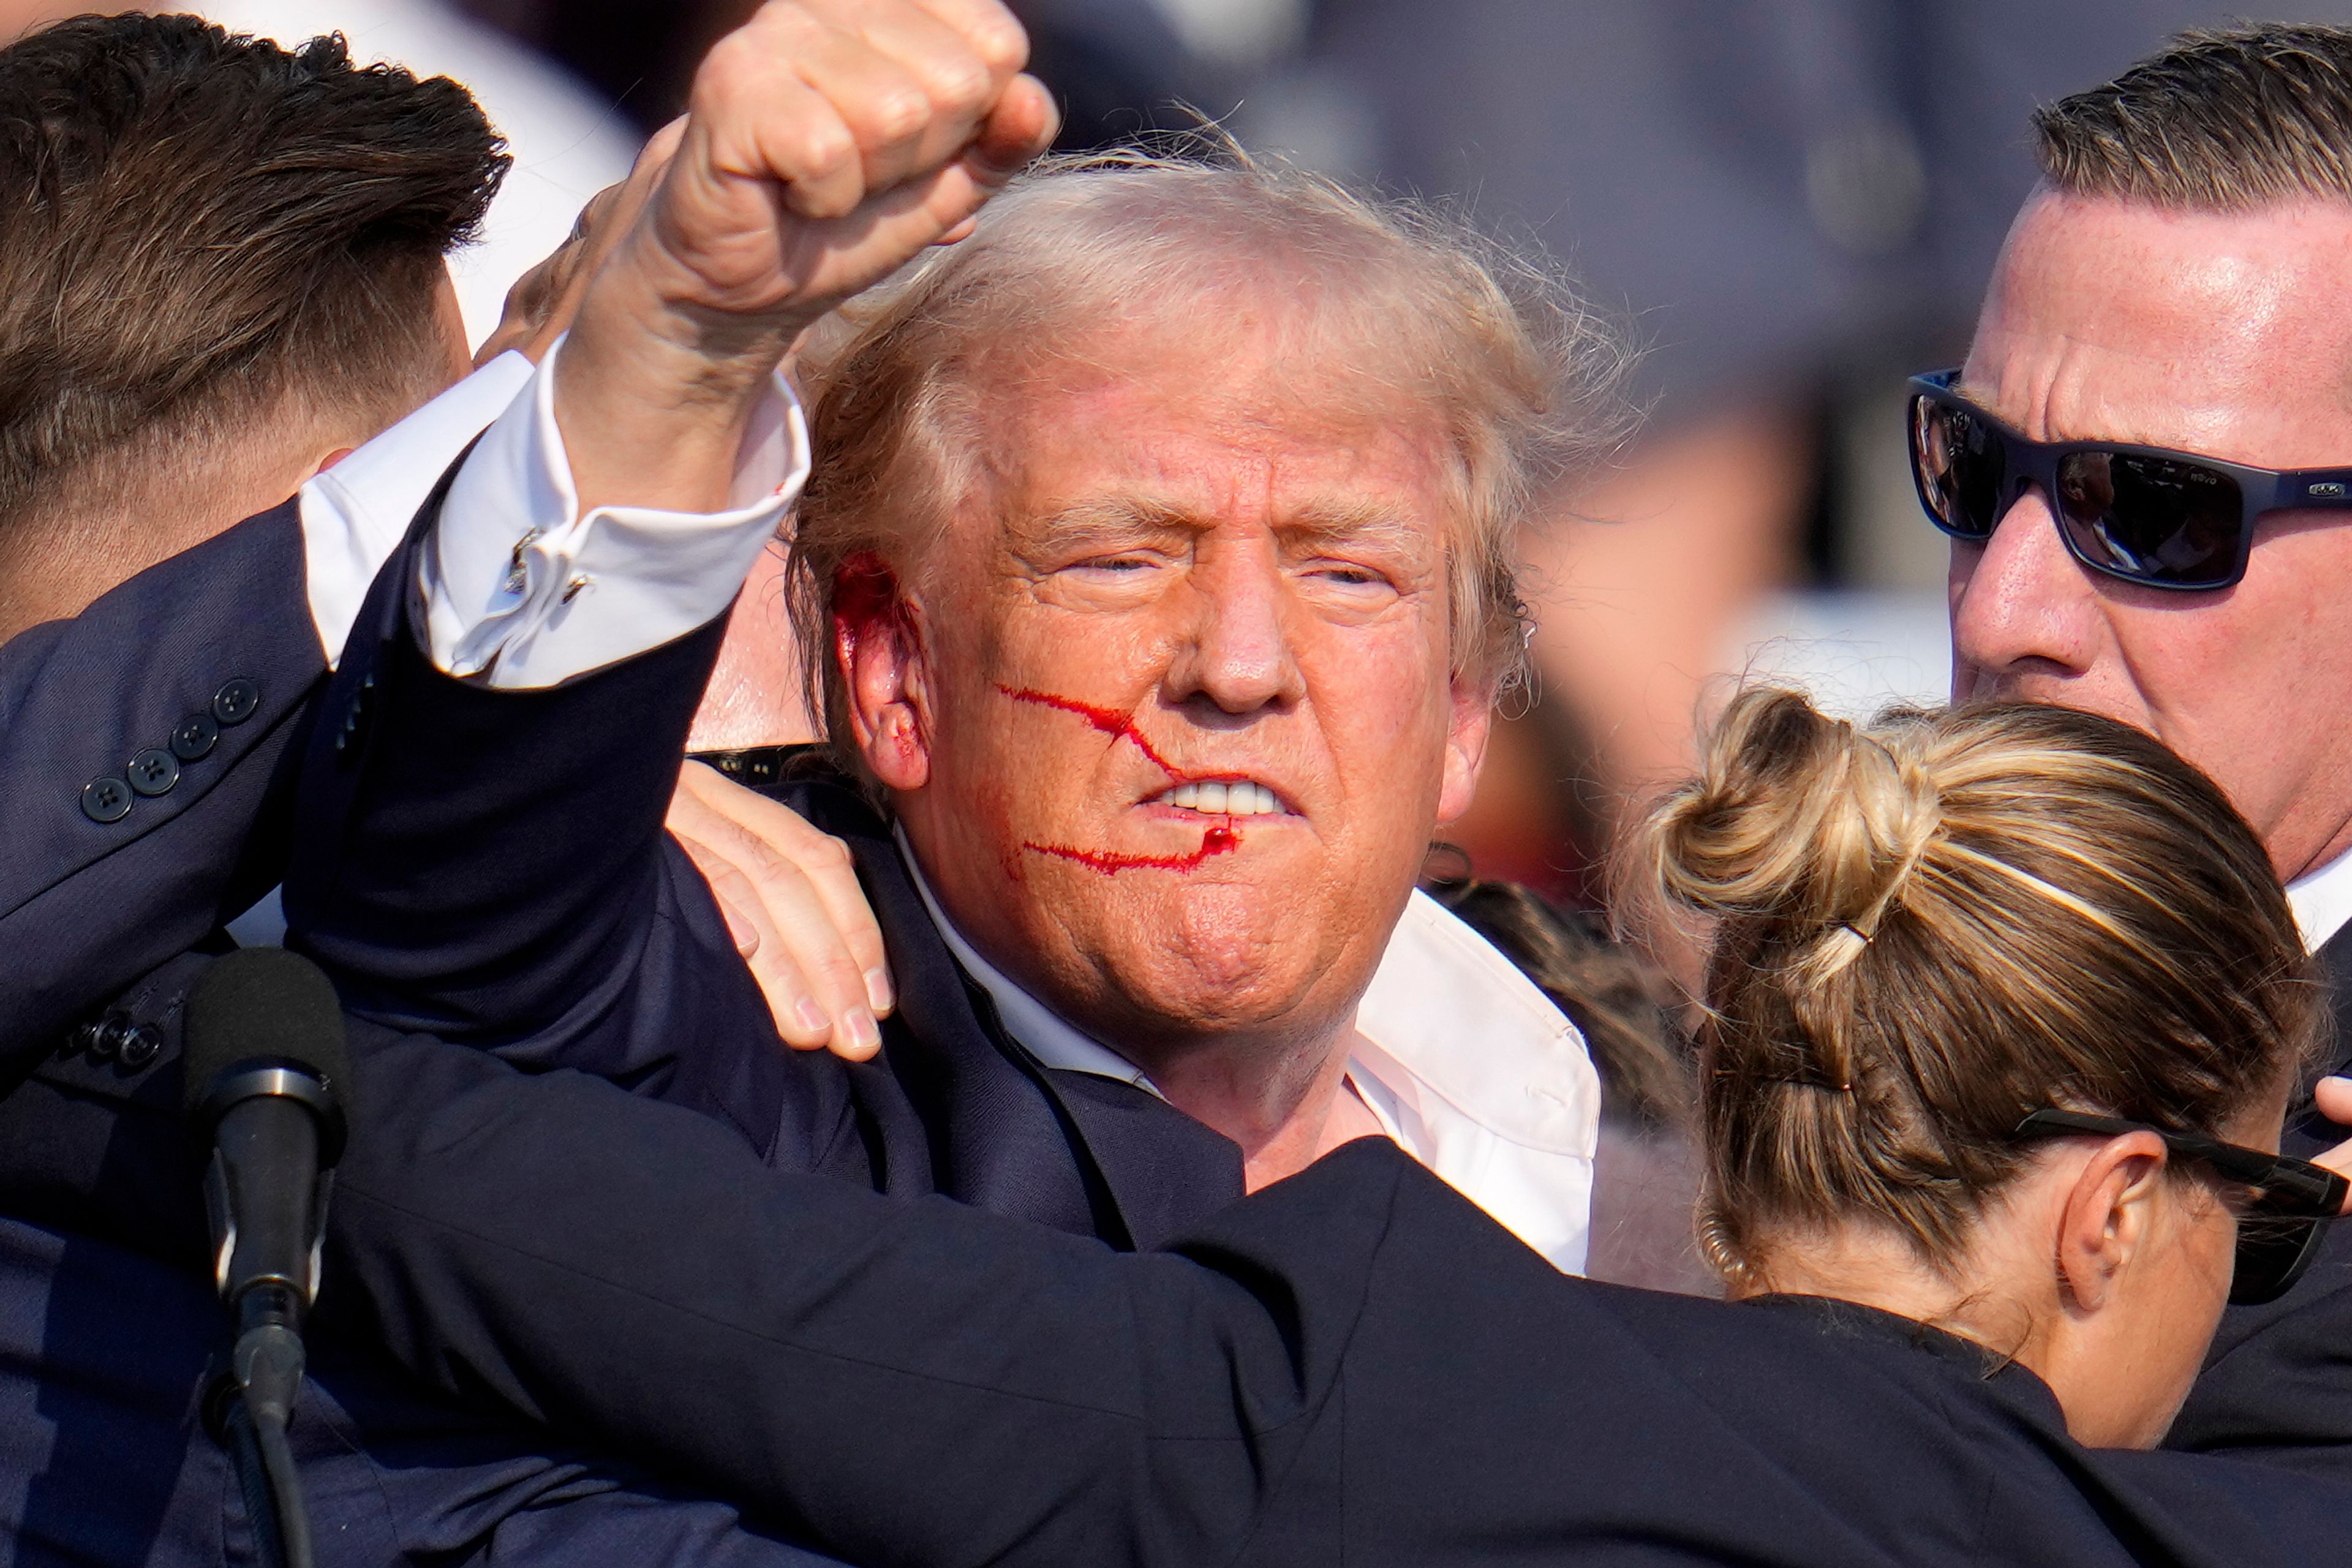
826	143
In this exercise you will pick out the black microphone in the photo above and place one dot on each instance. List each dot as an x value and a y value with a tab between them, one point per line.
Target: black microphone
267	1089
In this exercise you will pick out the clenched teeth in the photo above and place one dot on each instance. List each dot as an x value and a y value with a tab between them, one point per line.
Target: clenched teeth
1224	797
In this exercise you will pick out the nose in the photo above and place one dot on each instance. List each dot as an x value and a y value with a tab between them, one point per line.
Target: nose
2019	602
1236	654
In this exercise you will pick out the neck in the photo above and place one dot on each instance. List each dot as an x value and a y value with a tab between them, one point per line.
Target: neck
1875	1268
2336	846
1286	1103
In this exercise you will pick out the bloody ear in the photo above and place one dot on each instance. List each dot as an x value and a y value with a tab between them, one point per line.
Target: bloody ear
878	648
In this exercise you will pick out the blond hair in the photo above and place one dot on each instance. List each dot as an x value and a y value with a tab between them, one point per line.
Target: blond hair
1928	927
2219	120
1519	374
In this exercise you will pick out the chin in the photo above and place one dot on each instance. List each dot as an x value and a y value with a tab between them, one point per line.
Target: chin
1218	968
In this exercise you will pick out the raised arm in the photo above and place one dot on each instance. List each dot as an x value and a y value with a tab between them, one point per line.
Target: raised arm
512	881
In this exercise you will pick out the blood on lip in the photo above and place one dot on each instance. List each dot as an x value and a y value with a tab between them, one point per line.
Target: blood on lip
1221	838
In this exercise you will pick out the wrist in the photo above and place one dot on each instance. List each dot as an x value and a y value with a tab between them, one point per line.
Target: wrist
653	396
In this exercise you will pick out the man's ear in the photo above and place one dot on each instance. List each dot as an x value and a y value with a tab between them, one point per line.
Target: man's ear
878	641
1469	723
2105	1219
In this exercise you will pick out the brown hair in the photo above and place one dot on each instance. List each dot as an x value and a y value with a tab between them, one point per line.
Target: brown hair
1929	927
201	226
1515	370
2219	120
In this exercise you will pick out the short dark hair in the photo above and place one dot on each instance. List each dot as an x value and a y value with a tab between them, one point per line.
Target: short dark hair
2220	121
199	225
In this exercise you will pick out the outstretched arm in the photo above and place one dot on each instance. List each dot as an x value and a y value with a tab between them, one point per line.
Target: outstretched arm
897	1382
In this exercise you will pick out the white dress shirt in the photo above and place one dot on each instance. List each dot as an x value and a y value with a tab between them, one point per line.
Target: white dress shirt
519	589
2322	901
1465	1064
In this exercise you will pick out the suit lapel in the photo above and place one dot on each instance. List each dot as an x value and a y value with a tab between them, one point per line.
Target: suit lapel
1166	1172
1083	1154
2335	965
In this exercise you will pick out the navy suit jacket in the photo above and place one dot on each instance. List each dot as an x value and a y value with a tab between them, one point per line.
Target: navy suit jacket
193	681
1355	1365
2278	1384
490	866
203	667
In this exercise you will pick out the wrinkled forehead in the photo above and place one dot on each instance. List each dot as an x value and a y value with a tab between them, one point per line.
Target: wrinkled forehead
1262	418
2226	333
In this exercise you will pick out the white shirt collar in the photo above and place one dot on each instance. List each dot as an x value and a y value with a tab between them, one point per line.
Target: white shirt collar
2322	901
1050	1039
1463	1061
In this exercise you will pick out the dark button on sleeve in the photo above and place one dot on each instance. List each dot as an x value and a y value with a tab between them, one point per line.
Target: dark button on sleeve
193	736
234	702
141	1045
154	771
106	799
79	1039
110	1038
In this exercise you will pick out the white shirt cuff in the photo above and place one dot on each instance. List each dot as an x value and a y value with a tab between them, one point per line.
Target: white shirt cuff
523	592
355	515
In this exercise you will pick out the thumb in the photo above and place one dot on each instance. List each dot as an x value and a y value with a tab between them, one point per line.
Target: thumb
2333	1097
1021	126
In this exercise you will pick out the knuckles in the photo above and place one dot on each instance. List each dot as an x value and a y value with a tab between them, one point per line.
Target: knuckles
898	115
1000	45
827	853
960	87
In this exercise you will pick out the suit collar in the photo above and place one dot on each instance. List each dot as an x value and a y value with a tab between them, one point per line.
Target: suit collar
1045	1034
1007	1133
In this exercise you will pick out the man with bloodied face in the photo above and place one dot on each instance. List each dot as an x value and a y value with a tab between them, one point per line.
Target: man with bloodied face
1154	564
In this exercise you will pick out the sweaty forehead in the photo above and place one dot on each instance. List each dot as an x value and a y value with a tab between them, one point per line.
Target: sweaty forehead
2227	333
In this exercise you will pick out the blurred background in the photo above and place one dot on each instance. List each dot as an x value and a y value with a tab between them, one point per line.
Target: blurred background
1792	204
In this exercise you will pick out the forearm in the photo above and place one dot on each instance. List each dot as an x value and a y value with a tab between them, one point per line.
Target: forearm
482	863
904	1383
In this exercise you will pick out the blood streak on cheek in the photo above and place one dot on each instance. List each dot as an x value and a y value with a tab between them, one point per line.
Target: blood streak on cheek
1220	839
1108	721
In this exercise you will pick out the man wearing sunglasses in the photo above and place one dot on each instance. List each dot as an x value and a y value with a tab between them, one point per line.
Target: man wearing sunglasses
2145	468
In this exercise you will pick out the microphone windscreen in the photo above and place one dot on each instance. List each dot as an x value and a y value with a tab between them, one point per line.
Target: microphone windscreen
263	1002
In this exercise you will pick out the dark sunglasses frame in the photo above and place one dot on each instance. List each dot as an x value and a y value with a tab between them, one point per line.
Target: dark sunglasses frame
2279	1234
2026	462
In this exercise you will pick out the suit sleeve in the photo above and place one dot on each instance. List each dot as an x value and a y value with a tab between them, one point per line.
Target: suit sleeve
490	866
893	1380
2278	1384
141	771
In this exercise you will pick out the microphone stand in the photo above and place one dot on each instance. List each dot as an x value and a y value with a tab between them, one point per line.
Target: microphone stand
252	1405
264	1073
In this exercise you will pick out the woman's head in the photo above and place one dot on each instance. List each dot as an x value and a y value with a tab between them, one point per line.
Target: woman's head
1927	929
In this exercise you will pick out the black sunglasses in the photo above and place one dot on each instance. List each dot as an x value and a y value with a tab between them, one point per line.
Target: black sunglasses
2278	1234
2142	514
